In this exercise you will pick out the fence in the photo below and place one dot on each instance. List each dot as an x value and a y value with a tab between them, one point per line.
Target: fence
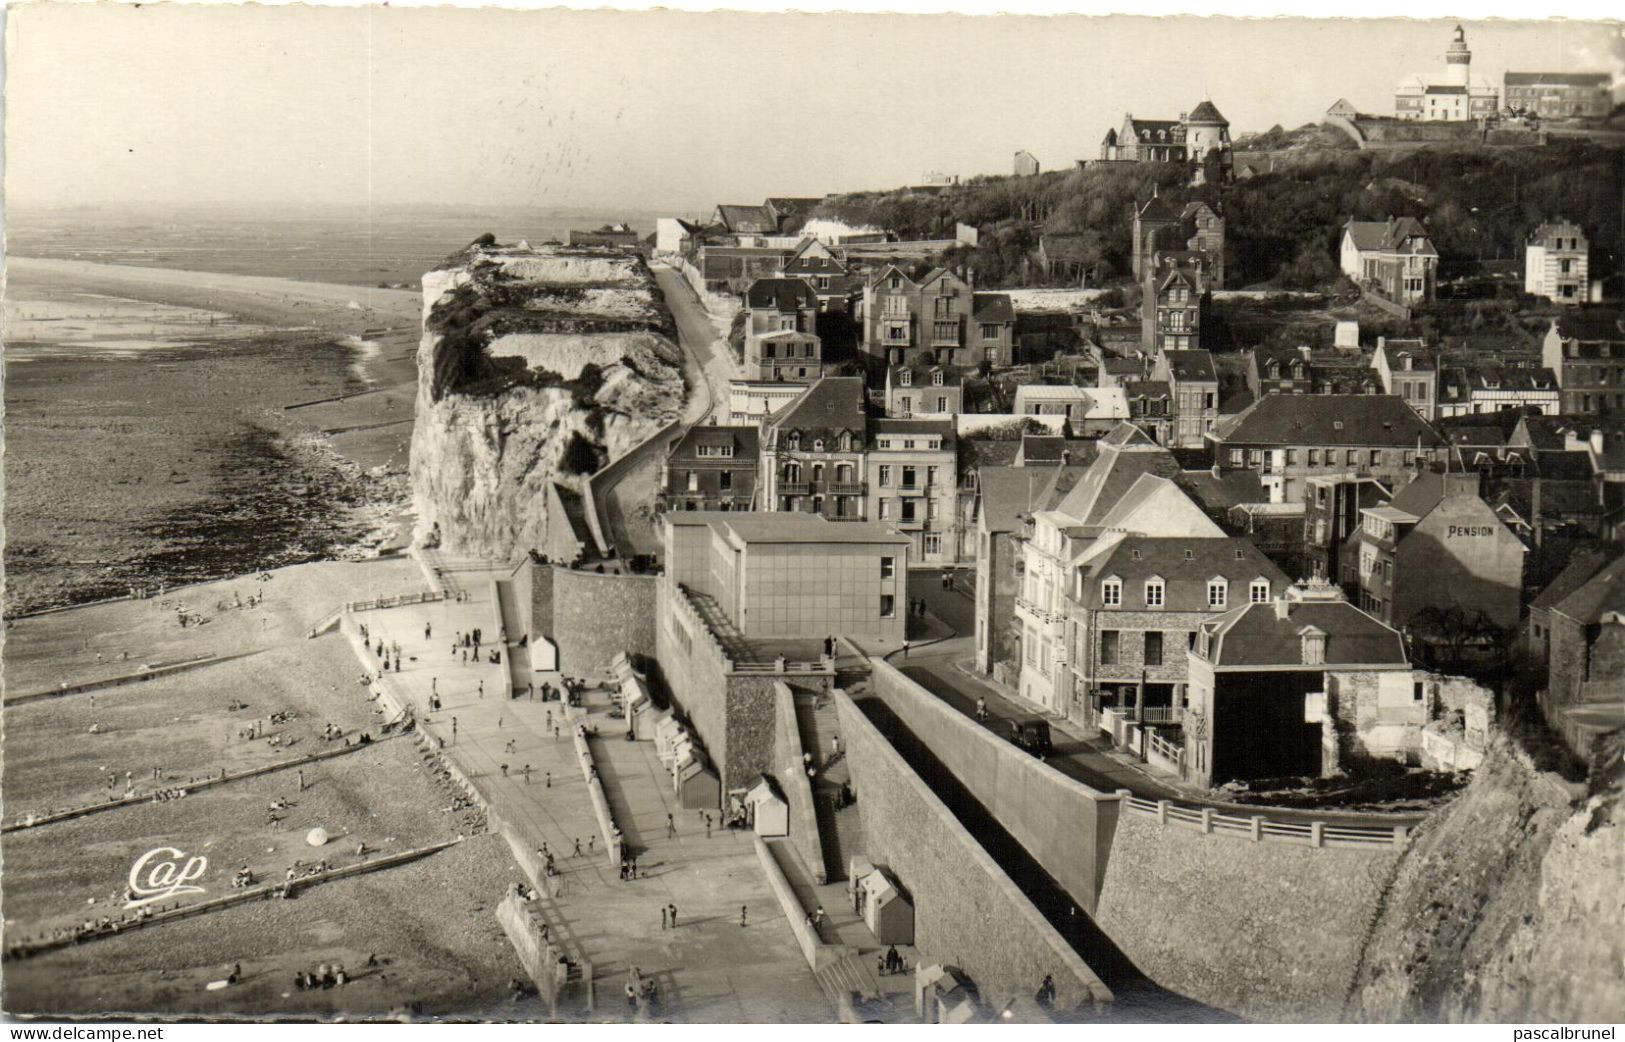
426	597
1261	829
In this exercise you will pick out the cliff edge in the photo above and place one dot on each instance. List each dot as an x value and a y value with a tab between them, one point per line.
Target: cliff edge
1508	905
536	365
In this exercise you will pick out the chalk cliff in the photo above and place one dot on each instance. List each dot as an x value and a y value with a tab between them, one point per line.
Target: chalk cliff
536	365
1508	907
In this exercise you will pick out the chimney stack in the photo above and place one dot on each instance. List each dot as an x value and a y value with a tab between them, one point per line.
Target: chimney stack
1596	441
1283	608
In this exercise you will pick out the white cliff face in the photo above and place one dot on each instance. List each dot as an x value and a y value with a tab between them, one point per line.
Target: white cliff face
536	365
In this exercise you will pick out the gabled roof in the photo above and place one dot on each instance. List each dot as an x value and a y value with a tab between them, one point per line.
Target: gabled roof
993	307
1111	137
1591	324
1184	564
746	440
782	294
1564	464
1111	475
885	272
1557	79
833	404
1217	493
1330	420
1043	449
1157	208
1127	435
1254	635
1007	493
791	206
1602	594
1418	498
1179	273
1579	571
752	219
1391	234
1205	112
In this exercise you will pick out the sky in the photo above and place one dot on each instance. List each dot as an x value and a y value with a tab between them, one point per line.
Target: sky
157	106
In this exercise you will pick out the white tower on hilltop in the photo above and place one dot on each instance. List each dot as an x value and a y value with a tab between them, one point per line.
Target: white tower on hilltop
1457	60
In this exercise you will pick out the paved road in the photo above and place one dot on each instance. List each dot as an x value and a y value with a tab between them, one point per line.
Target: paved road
708	360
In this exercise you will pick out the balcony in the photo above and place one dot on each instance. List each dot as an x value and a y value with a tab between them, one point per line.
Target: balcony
1039	615
847	488
794	488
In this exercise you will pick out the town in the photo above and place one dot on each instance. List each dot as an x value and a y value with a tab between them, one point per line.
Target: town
1184	584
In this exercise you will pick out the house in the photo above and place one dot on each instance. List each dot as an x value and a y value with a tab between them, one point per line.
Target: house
1172	309
731	269
711	468
1150	408
1437	562
1583	636
1559	95
1556	263
813	452
1409	372
1342	108
1579	570
1088	410
817	265
1193	235
938	318
751	401
785	210
1310	370
673	235
1494	387
1453	95
775	304
1200	138
1026	164
1288	439
1332	513
1585	349
1099	504
924	390
1262	677
913	485
1137	603
1005	497
783	354
1193	382
1394	257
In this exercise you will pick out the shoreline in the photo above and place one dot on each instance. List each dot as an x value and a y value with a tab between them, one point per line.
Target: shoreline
365	434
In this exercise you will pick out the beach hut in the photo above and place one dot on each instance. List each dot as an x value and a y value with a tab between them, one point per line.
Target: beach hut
693	781
638	706
769	810
887	913
943	995
668	731
857	866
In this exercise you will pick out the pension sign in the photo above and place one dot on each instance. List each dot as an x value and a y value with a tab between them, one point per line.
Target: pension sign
162	873
1468	531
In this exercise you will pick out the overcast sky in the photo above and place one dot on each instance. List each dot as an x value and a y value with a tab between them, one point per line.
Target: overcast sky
653	110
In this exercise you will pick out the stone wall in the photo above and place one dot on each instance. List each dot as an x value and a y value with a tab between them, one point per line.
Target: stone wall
751	724
967	911
1266	930
1065	825
596	617
792	775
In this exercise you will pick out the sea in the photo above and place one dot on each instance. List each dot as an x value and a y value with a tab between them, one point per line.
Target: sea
145	444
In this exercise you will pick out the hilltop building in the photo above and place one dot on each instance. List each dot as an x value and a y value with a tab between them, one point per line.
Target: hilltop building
1556	263
1192	235
1394	257
1200	138
1453	95
1026	164
1559	95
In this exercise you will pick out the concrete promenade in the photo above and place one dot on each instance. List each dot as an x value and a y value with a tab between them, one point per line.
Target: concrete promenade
709	968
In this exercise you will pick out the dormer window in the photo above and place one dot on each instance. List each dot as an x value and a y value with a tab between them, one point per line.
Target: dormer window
1258	591
1241	555
1155	592
794	440
1218	592
905	379
1312	642
936	378
1111	592
846	441
818	445
1135	553
1190	555
895	282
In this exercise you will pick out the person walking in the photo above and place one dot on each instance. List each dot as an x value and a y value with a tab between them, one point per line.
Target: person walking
671	827
577	852
673	910
664	915
426	630
742	912
454	730
482	688
834	745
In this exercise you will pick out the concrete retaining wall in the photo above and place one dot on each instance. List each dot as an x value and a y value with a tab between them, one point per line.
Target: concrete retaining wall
540	959
815	951
967	911
1064	824
600	804
792	776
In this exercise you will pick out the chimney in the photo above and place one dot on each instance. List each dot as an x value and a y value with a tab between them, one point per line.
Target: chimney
1182	116
1306	351
1596	441
1382	343
1283	608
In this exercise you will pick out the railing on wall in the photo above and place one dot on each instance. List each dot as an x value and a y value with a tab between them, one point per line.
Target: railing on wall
1260	829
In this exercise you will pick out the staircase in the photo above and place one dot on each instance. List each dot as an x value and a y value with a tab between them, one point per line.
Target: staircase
816	721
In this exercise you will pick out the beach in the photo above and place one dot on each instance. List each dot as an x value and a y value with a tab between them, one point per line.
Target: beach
149	437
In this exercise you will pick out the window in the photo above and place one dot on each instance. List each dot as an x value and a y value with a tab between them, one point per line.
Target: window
1108	647
1291	457
945	331
888	567
990	331
818	445
1111	593
910	476
944	307
931	510
905	406
930	476
885	510
895	282
1218	593
1314	457
693	482
1154	593
885	475
905	379
933	543
725	480
936	378
723	451
942	403
1259	591
1153	647
910	509
1235	457
888	606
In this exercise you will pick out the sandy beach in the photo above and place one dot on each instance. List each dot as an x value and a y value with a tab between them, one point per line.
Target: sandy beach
175	403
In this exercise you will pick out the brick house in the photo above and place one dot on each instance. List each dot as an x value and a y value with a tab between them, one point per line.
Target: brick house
924	390
774	304
816	264
711	468
1193	383
938	318
1582	636
1585	349
813	452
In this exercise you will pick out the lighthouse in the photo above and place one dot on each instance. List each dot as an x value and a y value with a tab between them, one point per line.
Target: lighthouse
1457	60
